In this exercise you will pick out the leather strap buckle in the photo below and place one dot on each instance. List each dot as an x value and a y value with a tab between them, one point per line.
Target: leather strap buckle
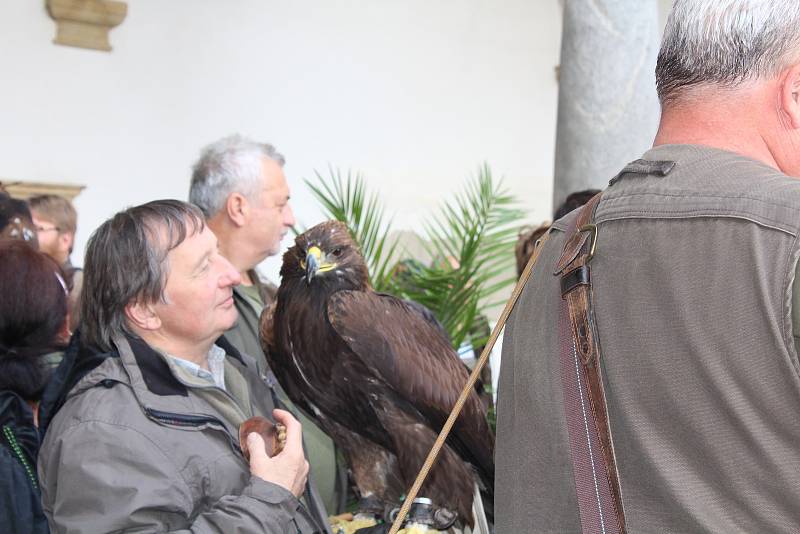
579	276
592	239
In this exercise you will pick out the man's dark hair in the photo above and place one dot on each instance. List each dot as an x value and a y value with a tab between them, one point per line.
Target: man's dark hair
33	312
574	201
126	261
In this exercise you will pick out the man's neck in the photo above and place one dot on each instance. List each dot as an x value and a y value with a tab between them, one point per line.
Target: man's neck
232	250
751	144
247	279
733	123
194	352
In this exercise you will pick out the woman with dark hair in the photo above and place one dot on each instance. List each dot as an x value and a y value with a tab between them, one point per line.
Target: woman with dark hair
16	221
33	319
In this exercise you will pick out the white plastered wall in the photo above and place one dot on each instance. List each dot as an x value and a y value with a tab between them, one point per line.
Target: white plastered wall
414	94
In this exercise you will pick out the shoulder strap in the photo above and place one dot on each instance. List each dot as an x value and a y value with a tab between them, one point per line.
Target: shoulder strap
591	447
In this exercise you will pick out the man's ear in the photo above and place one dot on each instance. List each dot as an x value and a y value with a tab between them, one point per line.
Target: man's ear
790	95
65	241
142	316
237	208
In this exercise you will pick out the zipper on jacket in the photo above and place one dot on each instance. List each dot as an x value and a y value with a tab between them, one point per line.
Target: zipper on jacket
12	442
195	421
185	420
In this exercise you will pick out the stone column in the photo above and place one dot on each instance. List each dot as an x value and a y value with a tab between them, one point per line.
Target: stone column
607	105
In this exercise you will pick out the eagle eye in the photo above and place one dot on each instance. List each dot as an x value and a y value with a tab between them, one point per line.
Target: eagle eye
337	252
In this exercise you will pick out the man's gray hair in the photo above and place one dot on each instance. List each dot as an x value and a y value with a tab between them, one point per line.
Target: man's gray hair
126	262
230	165
725	43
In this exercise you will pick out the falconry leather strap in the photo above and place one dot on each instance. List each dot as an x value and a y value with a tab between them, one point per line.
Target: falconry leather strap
591	447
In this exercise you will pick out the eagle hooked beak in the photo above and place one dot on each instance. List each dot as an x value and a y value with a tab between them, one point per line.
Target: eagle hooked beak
312	263
315	264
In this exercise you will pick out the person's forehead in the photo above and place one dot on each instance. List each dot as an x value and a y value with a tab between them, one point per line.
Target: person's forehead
192	249
39	217
273	177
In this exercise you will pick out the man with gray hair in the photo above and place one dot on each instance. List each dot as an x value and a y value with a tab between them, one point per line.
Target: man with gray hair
146	431
240	187
693	303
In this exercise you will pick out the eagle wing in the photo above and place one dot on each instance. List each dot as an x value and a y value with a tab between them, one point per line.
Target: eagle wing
408	350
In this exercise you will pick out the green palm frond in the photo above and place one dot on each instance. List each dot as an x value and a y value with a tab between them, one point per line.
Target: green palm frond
471	241
345	199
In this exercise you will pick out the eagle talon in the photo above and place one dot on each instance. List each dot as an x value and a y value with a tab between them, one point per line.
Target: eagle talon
444	519
372	507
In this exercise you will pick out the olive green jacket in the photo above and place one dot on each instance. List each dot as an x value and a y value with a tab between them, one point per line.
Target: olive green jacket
327	466
692	284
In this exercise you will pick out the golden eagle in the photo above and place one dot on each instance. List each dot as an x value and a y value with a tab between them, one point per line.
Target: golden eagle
377	372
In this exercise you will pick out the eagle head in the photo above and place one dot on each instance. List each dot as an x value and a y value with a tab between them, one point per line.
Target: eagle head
326	254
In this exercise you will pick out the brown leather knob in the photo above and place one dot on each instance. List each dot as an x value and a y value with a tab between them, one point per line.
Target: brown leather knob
274	435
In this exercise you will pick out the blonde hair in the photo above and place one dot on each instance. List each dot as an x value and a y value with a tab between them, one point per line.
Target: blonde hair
56	209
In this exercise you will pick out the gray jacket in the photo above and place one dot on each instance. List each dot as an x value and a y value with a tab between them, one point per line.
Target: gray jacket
135	449
692	284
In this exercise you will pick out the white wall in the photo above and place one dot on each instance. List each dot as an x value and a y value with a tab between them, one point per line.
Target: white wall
415	94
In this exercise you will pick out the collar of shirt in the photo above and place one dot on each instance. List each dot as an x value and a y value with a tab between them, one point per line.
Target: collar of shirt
216	366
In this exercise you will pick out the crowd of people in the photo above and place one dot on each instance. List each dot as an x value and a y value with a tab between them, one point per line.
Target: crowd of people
123	384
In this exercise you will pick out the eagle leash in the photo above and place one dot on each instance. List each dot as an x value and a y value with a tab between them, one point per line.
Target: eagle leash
473	378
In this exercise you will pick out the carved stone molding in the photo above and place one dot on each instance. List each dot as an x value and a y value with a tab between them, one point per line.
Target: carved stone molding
25	190
86	23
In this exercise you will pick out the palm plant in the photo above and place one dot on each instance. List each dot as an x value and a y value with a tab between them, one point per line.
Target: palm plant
472	243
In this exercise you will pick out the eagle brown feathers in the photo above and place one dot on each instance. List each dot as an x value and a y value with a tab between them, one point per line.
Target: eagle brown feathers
377	372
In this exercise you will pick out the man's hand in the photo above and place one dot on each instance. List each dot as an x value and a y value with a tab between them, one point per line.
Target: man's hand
288	469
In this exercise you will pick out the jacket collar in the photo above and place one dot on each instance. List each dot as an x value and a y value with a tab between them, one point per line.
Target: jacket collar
17	415
153	371
133	362
151	379
14	410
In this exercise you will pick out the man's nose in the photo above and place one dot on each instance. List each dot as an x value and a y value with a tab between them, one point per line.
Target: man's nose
230	276
288	216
